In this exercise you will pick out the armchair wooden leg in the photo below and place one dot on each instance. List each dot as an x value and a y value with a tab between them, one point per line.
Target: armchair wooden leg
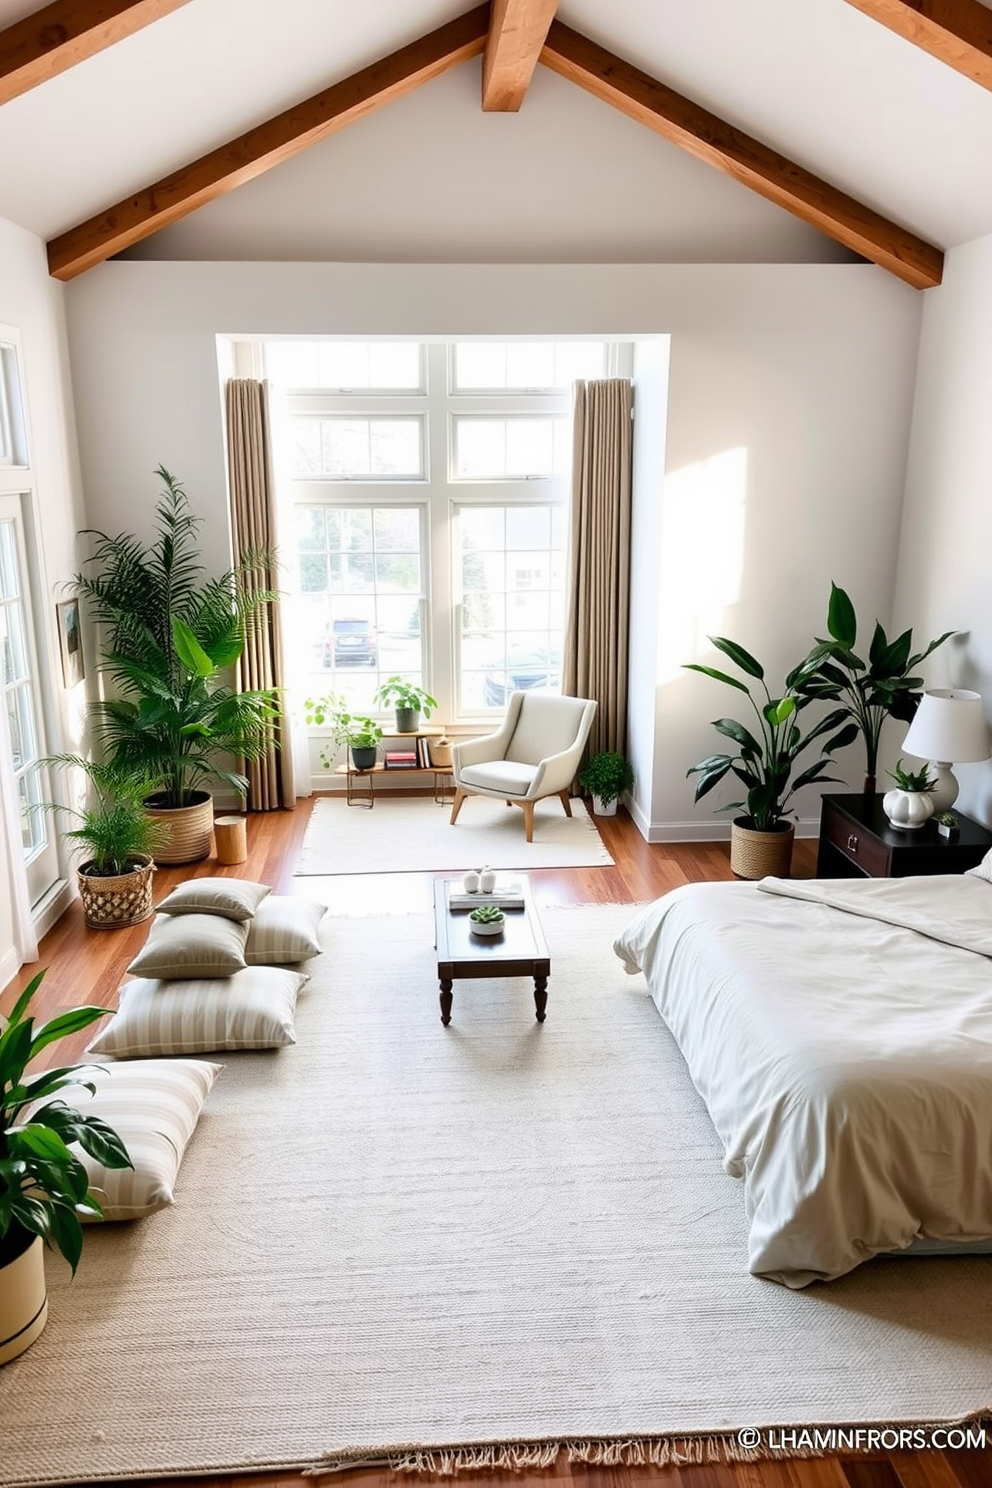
565	802
528	809
456	805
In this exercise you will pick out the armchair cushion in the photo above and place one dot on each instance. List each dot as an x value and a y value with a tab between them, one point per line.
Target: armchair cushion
504	777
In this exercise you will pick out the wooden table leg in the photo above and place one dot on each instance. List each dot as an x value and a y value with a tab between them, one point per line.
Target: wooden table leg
446	1000
540	996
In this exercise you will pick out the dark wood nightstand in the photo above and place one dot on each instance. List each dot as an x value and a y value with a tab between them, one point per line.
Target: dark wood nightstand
856	841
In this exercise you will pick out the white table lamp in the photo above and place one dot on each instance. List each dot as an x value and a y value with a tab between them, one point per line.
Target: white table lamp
949	728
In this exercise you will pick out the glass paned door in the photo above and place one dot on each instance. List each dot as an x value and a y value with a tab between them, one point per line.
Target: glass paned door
19	679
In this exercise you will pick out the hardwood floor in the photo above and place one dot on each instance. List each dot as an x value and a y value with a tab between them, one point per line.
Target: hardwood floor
88	966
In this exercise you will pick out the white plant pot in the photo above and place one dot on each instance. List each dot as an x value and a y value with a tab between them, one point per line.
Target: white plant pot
603	808
23	1303
907	811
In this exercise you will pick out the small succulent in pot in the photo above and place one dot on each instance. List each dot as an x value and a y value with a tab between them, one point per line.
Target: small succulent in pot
913	780
948	824
910	804
487	919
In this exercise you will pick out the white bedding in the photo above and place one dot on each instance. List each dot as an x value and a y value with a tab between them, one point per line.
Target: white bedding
846	1061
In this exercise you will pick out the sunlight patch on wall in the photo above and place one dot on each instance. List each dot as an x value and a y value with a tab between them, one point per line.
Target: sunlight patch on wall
702	556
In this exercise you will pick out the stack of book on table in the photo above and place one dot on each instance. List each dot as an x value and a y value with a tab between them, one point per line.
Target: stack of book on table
401	759
508	894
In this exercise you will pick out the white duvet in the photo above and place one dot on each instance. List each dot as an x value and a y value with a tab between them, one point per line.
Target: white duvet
846	1060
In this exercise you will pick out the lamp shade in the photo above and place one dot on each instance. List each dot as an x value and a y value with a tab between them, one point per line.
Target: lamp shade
949	725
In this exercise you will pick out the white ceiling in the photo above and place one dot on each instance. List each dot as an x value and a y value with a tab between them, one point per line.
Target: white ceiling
813	78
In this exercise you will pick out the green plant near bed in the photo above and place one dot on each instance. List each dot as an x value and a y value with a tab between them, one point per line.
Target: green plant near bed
170	633
869	691
44	1188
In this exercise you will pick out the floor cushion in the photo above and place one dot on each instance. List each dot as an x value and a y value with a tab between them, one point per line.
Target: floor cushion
284	929
253	1009
192	945
232	898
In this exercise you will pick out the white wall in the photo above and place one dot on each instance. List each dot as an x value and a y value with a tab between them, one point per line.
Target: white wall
807	369
33	304
944	565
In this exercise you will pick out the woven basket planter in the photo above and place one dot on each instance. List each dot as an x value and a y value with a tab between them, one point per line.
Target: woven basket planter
190	829
760	854
113	903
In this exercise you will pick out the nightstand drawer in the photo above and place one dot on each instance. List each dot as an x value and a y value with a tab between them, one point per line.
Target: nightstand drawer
858	845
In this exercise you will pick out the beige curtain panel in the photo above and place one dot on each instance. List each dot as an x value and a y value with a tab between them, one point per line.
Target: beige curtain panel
596	630
253	526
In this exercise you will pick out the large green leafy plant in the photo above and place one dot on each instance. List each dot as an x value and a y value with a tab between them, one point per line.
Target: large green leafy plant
169	634
44	1188
766	756
868	691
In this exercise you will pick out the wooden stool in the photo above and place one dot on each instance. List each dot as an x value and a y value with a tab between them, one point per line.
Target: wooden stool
231	837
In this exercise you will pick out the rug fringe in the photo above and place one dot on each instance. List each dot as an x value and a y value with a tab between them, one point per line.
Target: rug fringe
654	1451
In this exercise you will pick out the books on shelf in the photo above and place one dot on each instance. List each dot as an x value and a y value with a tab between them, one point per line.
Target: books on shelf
508	894
401	759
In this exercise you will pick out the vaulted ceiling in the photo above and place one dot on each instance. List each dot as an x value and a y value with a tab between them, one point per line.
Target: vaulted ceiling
869	119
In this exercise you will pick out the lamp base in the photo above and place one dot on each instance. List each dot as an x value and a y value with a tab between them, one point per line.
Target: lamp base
945	793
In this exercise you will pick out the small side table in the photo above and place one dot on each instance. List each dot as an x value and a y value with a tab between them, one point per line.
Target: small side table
856	841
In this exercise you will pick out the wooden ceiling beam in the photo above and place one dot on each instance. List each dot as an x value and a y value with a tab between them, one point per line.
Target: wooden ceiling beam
54	39
517	29
267	145
958	32
736	154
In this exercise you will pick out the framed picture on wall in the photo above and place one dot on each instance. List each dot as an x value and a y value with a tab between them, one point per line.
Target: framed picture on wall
70	642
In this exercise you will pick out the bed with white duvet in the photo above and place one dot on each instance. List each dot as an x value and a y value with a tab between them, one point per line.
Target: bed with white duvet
840	1033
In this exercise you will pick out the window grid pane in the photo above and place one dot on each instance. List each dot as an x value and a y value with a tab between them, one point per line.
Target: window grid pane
512	602
525	366
347	366
343	448
526	448
361	599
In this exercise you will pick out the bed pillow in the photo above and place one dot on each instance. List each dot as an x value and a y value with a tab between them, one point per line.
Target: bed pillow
192	945
284	929
984	869
231	898
253	1009
153	1105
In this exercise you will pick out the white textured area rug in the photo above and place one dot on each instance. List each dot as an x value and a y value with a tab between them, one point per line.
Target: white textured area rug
414	835
398	1235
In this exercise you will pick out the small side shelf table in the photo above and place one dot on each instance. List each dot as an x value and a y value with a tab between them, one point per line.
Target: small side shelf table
856	841
360	784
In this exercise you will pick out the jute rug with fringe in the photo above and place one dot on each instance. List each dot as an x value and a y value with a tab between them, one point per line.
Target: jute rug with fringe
400	1241
415	835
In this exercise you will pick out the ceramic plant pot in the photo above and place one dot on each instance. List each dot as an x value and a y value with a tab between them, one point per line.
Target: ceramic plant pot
907	811
363	758
407	720
23	1300
603	808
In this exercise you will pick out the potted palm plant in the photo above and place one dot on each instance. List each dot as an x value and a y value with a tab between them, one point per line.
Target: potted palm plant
606	776
762	838
44	1188
170	633
408	700
117	837
348	730
868	691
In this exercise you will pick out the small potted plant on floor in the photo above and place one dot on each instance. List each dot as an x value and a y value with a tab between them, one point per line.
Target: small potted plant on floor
910	804
606	776
118	837
408	700
44	1188
349	730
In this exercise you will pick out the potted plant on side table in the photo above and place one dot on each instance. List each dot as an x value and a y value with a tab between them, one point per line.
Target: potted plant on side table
761	840
408	700
909	805
348	730
114	828
606	776
44	1188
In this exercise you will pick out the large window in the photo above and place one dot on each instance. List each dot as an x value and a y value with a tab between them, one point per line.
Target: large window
431	487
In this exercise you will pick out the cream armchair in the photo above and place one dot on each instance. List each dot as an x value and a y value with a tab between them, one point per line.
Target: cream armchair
535	753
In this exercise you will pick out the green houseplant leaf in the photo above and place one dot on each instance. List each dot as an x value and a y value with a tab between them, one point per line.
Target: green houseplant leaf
43	1185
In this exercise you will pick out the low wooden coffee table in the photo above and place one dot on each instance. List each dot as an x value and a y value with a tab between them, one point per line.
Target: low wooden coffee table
520	950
